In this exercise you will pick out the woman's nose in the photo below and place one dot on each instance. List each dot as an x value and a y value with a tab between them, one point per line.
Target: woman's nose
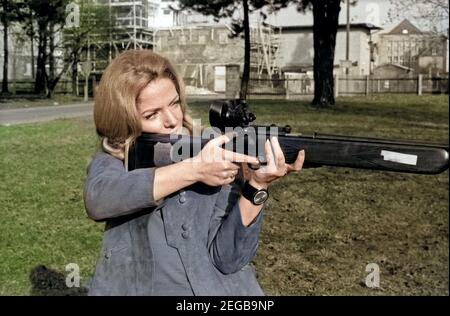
170	120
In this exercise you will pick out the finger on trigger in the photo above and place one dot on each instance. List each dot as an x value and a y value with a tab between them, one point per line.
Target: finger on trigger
237	157
220	140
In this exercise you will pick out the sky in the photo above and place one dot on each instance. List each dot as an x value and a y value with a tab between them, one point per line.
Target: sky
364	11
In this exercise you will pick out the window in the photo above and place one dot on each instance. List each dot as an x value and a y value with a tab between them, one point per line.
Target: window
413	48
182	40
223	38
202	39
167	11
395	59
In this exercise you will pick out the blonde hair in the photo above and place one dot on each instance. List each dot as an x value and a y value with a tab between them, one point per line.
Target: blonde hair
116	117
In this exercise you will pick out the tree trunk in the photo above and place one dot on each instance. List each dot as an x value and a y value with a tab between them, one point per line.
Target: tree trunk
51	53
40	83
5	57
51	82
326	19
74	72
246	73
33	71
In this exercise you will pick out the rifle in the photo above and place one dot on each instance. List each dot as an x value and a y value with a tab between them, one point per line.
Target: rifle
153	150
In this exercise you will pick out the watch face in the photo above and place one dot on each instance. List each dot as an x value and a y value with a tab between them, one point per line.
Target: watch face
260	197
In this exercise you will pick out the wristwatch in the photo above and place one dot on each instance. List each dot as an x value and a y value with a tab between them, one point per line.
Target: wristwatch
254	195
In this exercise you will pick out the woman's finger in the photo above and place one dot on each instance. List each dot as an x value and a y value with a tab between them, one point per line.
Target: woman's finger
219	141
227	165
298	164
278	153
237	157
228	180
269	155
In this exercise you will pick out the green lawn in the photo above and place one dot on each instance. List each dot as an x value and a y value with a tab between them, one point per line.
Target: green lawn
322	226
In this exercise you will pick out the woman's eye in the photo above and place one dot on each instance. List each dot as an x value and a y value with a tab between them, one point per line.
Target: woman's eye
150	116
176	103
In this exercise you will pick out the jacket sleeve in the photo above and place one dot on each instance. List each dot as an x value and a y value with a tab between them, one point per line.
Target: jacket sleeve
231	244
110	191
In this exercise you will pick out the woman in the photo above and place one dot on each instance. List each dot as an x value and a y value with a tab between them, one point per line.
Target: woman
181	229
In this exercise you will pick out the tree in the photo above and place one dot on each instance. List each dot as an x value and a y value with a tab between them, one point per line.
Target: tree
326	18
227	9
325	25
49	17
8	15
29	29
326	22
95	27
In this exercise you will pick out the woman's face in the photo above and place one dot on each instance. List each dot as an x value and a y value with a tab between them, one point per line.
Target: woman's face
159	107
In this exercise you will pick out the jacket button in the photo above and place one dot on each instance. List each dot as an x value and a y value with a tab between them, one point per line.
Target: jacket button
185	235
182	199
184	227
182	193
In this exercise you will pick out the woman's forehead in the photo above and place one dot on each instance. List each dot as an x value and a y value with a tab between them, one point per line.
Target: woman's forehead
157	93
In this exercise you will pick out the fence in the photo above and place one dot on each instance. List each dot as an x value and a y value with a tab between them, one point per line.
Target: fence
296	87
64	86
348	86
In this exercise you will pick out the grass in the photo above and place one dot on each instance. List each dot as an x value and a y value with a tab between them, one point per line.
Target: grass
321	226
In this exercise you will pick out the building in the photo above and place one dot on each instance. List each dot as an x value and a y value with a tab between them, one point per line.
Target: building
408	46
202	52
19	63
297	49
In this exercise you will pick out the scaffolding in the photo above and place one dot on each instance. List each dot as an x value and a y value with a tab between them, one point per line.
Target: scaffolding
130	28
132	23
265	50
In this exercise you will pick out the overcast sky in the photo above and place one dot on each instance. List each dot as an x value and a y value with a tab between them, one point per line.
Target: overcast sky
365	11
290	16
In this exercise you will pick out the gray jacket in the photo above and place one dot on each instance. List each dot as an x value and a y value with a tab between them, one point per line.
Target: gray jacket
202	223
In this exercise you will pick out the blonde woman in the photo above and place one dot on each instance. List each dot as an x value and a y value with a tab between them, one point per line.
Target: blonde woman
181	229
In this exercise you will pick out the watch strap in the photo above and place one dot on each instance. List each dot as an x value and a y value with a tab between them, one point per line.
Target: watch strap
249	192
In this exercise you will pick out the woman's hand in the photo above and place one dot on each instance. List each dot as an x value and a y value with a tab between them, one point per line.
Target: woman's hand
216	166
276	165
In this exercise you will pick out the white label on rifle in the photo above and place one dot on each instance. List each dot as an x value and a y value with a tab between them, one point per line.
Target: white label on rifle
399	157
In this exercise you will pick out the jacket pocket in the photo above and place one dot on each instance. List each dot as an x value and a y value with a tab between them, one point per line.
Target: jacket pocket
114	272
